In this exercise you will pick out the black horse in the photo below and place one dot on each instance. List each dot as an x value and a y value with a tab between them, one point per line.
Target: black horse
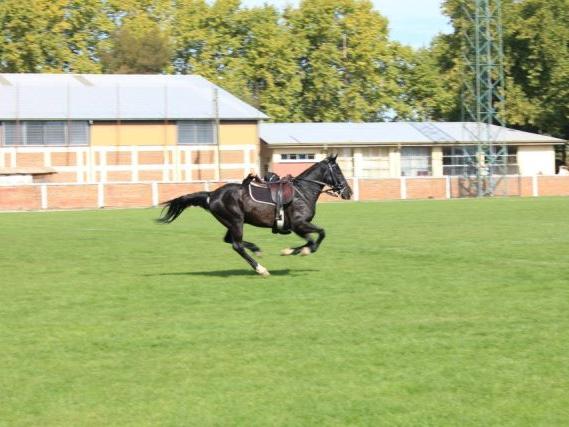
233	206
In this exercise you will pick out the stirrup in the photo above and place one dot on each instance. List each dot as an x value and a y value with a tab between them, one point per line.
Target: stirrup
280	219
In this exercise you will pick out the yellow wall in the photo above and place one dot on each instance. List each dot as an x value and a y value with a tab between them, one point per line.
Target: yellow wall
105	134
133	134
238	134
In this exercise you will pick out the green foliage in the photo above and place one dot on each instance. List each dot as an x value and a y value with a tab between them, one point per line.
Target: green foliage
538	54
536	48
248	52
268	65
137	48
108	319
348	65
325	60
51	35
424	95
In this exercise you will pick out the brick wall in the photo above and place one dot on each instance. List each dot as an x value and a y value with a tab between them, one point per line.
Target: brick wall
72	196
553	186
135	164
434	188
20	197
124	195
379	189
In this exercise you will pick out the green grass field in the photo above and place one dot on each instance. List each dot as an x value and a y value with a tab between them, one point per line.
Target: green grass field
434	313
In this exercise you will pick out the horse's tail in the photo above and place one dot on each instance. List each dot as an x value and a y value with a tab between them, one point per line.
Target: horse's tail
176	206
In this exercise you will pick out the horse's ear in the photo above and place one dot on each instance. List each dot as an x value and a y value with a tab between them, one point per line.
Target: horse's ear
332	158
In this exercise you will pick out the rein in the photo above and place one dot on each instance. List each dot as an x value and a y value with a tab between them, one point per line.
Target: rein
336	189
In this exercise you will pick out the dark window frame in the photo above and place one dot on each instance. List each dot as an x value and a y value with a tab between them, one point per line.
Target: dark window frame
46	133
196	132
298	157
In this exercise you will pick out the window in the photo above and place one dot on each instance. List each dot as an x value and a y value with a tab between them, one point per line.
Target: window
297	157
374	162
46	133
459	161
416	161
462	161
196	132
511	161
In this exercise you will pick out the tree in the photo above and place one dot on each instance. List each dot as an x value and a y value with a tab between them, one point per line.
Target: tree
267	65
51	35
538	59
348	64
424	95
189	34
536	49
139	46
246	51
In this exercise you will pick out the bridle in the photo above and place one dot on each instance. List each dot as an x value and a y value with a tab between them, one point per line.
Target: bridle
336	188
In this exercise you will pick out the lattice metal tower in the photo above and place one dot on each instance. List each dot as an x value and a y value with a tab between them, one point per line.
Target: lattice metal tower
486	165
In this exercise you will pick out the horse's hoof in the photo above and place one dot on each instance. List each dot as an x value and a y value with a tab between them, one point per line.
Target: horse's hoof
287	251
262	271
305	251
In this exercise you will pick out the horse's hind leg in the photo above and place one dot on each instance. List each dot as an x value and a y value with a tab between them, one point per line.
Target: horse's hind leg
235	237
248	245
226	208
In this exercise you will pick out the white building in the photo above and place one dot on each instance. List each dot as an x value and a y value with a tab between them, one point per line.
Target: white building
389	150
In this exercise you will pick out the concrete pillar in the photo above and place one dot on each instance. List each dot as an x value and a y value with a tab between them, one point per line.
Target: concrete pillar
395	162
358	163
437	161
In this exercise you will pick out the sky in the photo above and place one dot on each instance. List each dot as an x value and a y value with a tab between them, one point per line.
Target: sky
413	22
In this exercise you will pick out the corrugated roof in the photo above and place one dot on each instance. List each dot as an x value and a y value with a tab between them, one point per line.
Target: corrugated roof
116	96
392	133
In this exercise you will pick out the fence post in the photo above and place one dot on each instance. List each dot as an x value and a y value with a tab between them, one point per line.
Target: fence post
134	163
155	196
403	187
101	195
447	187
103	153
356	183
535	186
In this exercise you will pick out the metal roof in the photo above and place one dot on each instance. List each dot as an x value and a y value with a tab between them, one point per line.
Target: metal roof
116	96
389	133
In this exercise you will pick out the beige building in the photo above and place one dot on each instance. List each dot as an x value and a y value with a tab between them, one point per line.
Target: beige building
123	128
392	150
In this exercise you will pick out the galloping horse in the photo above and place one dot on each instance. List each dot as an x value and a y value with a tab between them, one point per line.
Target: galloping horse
233	206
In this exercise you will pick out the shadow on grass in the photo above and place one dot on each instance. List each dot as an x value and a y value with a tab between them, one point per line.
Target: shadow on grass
229	273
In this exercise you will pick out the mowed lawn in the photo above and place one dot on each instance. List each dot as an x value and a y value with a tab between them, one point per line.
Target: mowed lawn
419	313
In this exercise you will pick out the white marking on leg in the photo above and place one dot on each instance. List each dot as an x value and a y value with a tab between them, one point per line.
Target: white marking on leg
287	251
262	271
305	251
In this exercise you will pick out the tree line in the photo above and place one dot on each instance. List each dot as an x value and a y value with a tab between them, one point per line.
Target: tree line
325	60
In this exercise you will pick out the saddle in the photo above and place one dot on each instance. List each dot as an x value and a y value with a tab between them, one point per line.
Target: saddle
278	193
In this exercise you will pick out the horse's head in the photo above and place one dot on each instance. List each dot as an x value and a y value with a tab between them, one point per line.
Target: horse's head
335	178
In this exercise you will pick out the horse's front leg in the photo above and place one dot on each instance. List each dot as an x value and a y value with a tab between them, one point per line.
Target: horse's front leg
304	230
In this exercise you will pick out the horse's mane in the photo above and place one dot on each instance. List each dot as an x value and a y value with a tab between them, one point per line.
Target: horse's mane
310	169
